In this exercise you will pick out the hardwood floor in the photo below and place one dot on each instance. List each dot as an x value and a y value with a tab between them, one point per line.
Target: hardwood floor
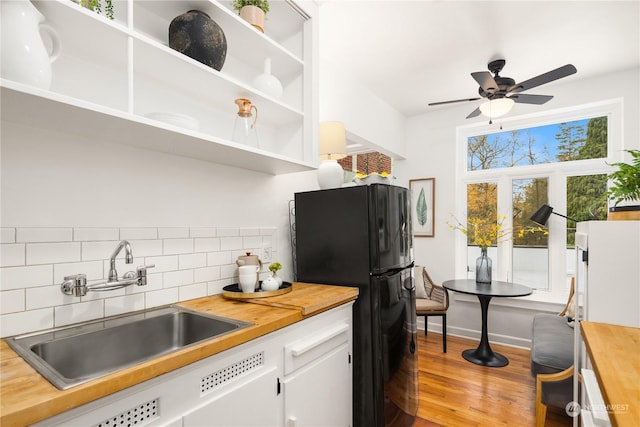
454	392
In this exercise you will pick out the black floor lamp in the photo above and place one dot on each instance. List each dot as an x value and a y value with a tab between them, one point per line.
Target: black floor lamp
541	216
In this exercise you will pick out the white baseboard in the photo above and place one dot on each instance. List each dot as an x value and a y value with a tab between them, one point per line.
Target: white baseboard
472	334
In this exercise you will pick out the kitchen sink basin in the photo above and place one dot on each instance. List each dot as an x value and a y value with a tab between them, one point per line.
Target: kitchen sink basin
77	354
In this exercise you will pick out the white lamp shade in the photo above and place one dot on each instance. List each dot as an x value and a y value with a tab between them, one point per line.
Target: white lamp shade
332	140
497	107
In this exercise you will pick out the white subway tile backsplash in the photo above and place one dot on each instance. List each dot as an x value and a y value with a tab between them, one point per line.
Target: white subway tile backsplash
124	304
162	263
206	274
44	235
177	246
198	290
178	278
231	243
268	231
249	231
192	261
7	235
88	234
78	312
12	301
144	248
47	253
94	270
227	232
173	233
26	321
138	233
25	277
163	297
219	258
47	296
202	232
206	244
229	271
12	254
215	288
100	250
252	242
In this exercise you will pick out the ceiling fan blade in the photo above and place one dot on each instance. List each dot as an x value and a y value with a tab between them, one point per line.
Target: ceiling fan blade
451	102
474	113
486	81
524	98
558	73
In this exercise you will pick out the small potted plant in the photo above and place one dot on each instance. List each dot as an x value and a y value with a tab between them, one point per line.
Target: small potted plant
252	11
96	6
625	187
273	268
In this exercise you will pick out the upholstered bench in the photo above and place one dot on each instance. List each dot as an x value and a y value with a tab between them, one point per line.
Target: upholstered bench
551	362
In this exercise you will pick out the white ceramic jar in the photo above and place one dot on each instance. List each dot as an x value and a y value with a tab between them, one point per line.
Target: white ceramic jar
24	56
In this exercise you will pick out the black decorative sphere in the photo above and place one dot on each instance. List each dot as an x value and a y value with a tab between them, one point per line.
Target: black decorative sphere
198	36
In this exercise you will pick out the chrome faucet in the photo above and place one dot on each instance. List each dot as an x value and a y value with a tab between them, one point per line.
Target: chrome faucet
113	274
76	284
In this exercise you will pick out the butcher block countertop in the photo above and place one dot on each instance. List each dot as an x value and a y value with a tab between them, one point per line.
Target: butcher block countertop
613	351
26	397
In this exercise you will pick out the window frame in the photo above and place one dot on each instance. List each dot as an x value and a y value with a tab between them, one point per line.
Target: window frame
556	173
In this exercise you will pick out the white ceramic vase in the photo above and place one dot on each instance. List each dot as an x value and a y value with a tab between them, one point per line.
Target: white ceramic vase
24	56
267	82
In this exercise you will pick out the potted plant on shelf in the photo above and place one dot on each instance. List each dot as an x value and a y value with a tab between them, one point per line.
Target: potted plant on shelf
96	6
252	11
625	188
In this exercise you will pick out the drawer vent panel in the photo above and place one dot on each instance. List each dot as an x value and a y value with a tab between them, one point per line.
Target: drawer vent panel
224	375
136	416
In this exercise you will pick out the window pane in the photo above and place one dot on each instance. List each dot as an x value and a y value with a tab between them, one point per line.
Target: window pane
559	142
586	201
530	242
482	218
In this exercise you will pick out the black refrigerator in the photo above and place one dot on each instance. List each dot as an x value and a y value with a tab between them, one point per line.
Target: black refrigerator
361	236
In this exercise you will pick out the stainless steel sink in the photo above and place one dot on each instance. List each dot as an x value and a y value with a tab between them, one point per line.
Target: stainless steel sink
74	355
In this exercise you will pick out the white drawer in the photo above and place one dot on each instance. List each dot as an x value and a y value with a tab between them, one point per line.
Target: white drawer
308	349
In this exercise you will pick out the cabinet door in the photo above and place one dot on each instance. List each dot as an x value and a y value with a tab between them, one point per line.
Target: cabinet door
252	403
320	393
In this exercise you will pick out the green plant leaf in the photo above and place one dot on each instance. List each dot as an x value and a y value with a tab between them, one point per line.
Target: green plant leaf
421	208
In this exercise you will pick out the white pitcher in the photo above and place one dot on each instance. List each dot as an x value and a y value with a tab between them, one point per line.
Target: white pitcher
24	56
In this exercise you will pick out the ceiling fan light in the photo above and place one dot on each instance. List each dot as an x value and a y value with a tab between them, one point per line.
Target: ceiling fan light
497	107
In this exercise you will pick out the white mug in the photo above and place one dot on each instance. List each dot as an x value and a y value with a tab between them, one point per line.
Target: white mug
248	282
248	277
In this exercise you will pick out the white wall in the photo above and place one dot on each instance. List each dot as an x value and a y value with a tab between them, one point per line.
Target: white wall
431	146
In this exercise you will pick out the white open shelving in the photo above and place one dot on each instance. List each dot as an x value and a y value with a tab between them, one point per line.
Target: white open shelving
111	74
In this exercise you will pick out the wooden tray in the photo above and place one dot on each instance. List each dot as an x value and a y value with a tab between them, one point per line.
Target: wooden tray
234	292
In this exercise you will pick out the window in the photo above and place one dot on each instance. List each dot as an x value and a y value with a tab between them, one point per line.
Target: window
556	158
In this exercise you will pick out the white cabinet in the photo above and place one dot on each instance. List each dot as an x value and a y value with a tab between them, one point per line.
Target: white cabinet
315	393
297	376
111	74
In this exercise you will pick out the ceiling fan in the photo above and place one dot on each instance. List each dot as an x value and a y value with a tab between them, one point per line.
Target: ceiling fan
502	92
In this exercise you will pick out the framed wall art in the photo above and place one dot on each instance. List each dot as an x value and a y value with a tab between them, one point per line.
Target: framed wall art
423	206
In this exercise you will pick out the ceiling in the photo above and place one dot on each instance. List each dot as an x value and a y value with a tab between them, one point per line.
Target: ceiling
411	53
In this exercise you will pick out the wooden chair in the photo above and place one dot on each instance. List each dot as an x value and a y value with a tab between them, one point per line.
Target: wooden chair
554	388
431	300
